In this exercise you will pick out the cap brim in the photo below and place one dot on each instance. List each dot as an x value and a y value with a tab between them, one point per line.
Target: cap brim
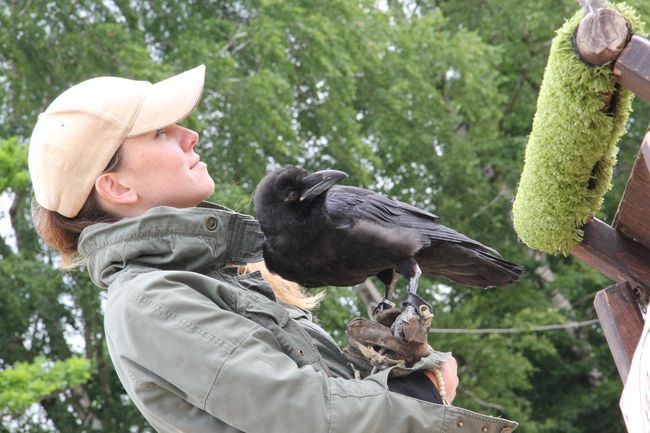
169	101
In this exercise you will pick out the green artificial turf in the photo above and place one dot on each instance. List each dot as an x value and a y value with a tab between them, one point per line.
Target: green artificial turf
572	147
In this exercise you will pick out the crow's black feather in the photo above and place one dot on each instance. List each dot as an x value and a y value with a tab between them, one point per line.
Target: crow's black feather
318	233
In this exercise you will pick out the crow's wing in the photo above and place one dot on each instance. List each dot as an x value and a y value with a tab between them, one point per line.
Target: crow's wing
442	251
348	205
371	205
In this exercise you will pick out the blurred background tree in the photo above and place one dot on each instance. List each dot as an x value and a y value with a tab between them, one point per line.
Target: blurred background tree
427	101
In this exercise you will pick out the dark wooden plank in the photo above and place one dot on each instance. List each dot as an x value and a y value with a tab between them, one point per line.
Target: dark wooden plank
622	323
633	215
645	149
614	254
632	68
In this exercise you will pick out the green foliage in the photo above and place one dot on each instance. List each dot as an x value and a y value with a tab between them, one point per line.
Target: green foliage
13	165
24	384
429	101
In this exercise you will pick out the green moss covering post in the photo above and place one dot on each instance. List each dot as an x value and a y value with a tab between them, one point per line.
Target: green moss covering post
572	147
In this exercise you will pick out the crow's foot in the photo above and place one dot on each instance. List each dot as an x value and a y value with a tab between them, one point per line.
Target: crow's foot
413	324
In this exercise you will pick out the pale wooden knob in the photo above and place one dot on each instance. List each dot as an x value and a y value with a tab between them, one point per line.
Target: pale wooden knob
601	36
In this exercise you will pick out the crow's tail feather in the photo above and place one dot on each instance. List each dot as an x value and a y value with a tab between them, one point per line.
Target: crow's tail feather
468	265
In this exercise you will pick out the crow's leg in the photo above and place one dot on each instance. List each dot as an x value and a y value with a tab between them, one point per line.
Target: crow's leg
413	323
410	269
413	281
389	278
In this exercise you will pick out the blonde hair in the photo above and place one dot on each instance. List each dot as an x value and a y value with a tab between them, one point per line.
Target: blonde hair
286	291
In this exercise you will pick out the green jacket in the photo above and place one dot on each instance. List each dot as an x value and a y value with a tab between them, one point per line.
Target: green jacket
201	349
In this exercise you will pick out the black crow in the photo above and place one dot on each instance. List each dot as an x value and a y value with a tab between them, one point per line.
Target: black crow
318	233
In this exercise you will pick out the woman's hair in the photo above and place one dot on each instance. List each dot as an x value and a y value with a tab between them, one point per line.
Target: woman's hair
62	234
286	291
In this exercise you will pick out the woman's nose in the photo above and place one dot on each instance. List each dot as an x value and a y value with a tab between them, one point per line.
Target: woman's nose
189	139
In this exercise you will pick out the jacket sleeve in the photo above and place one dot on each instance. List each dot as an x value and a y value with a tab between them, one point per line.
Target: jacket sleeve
235	370
279	397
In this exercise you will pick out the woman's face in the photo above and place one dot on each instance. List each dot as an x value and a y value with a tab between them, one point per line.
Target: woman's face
164	170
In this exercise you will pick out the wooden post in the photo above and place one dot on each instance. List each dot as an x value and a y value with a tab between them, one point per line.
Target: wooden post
622	253
622	323
632	68
633	215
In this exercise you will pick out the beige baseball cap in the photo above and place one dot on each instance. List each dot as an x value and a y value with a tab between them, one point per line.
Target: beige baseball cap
76	137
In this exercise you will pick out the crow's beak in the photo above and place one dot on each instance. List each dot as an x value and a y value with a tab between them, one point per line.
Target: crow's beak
319	182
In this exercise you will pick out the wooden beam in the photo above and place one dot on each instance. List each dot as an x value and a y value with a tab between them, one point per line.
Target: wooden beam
632	216
645	149
632	68
615	255
622	323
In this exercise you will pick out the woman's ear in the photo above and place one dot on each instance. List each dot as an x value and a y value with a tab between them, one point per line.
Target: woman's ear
112	191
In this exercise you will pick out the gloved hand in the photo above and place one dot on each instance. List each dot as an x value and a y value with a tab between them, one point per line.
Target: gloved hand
372	346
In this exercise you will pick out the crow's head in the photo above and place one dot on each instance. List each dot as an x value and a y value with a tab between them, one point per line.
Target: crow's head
291	190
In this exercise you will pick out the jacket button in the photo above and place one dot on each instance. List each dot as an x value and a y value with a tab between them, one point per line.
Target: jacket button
484	429
460	423
211	223
506	430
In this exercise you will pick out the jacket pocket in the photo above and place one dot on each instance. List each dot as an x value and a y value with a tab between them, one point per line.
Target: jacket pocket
293	340
271	311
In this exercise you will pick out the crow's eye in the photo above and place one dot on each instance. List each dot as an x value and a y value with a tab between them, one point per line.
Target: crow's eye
293	196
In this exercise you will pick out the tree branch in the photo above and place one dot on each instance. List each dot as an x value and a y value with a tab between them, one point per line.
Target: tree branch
483	403
369	295
13	217
237	34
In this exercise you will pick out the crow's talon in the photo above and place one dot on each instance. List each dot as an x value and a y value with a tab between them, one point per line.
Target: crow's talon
412	325
385	304
422	307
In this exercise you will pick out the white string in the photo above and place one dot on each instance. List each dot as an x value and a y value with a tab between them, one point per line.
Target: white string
566	325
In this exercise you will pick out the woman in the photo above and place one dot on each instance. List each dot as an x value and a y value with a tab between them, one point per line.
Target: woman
202	337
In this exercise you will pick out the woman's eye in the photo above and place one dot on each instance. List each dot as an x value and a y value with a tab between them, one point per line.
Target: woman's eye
159	132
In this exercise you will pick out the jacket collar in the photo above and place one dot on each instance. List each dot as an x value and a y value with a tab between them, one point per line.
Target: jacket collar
192	239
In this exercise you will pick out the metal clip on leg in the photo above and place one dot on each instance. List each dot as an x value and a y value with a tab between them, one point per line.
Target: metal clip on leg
414	322
385	304
422	307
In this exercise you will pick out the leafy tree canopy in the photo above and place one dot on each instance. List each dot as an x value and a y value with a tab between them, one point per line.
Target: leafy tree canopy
429	101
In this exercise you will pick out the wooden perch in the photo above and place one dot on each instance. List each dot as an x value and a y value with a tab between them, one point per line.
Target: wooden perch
628	262
614	254
622	252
